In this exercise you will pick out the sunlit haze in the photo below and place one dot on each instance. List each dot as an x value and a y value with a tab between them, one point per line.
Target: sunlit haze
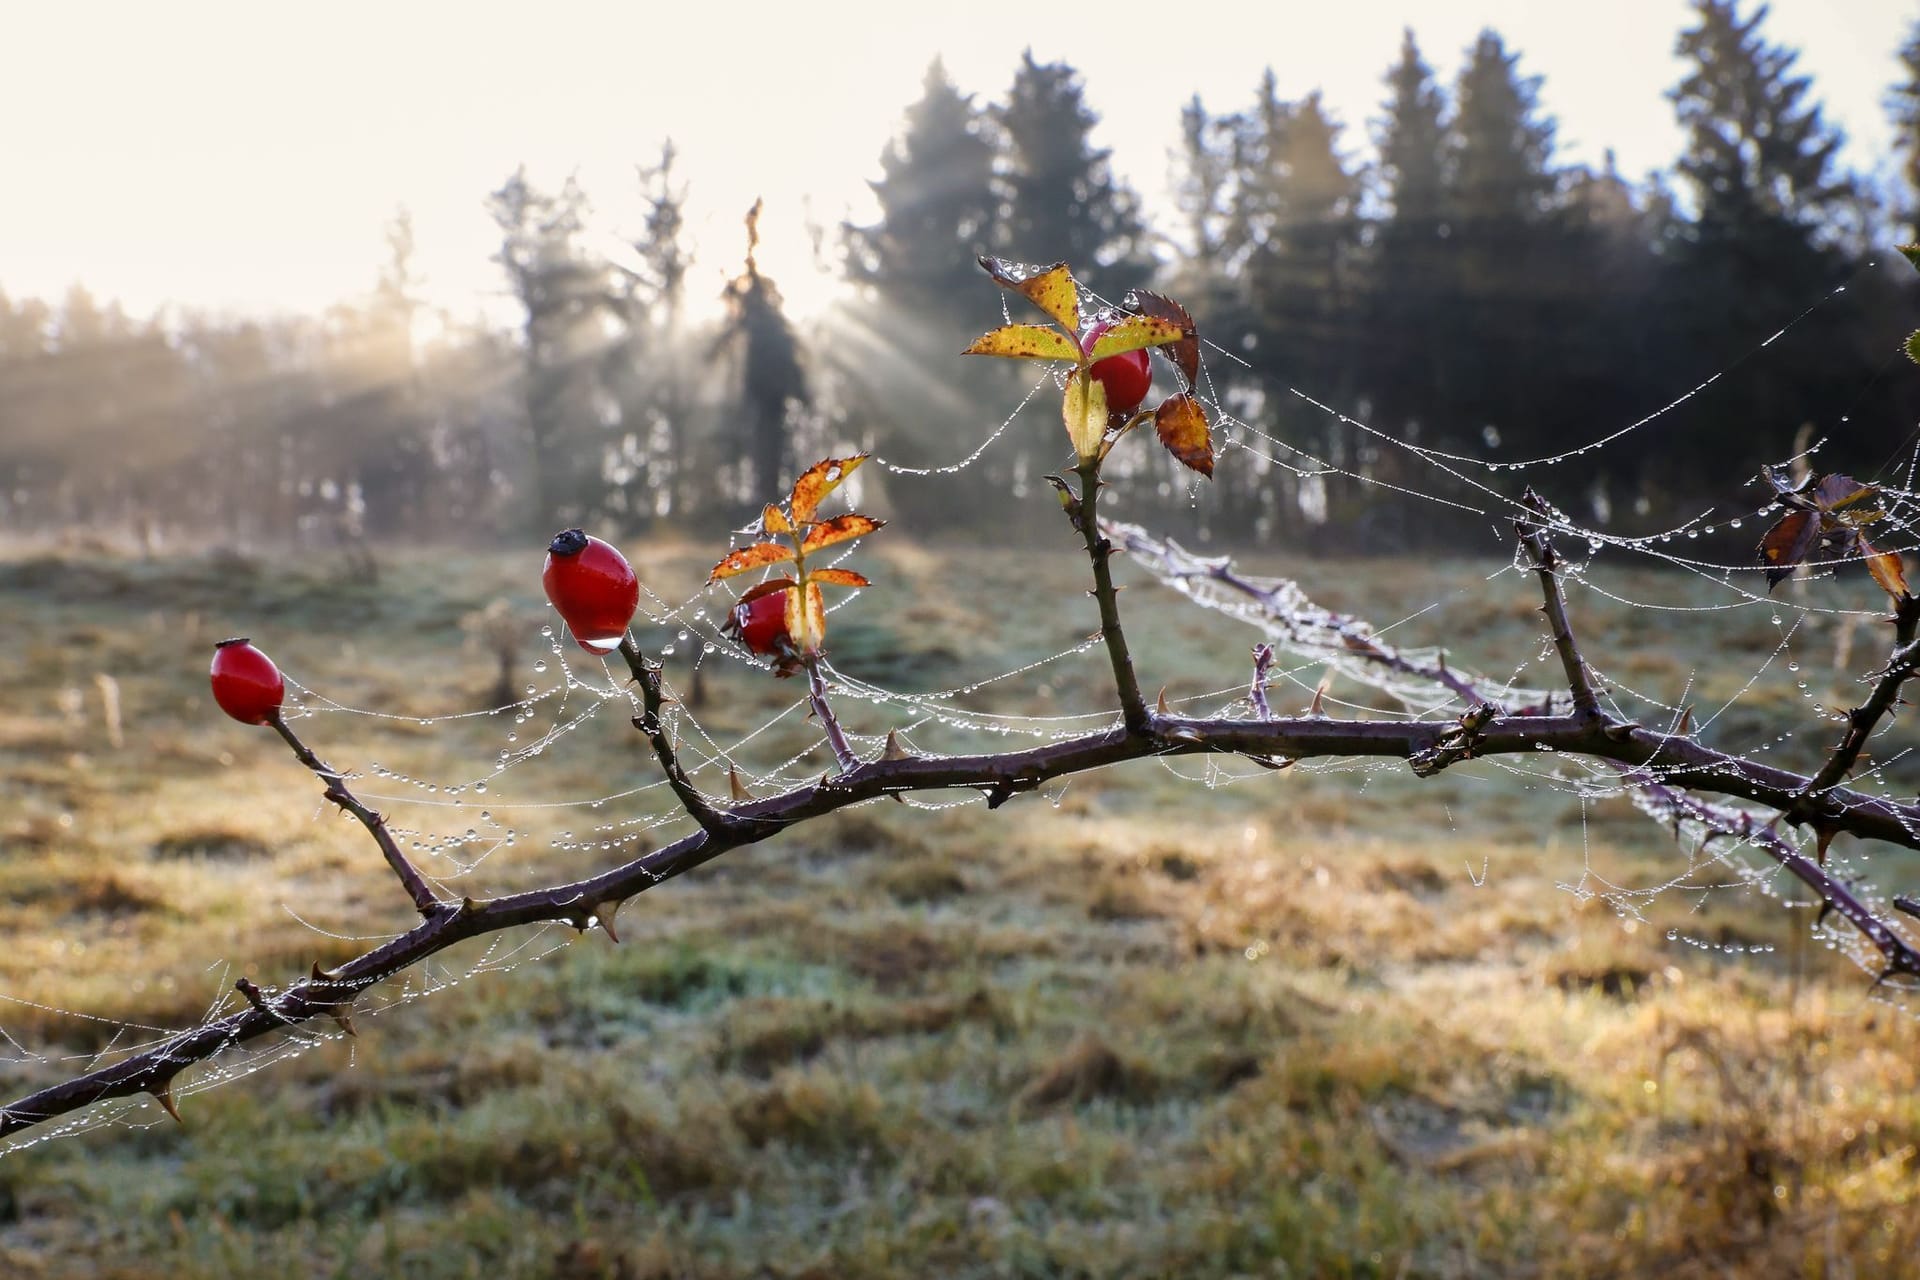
246	157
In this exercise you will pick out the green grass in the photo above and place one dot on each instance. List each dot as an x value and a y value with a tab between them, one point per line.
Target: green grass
1162	1021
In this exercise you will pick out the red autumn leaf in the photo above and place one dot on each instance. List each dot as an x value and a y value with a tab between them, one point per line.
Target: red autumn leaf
1049	288
1784	547
1182	424
1025	342
819	480
839	578
1185	353
747	559
839	529
1887	570
766	588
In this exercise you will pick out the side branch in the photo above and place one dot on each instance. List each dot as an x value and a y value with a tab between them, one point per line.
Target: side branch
423	900
1133	707
1735	824
1885	696
1546	563
1680	762
647	673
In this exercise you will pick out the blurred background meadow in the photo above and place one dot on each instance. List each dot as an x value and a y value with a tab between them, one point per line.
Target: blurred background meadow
322	347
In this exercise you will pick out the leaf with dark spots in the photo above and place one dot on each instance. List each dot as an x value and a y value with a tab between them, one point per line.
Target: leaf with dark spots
1185	353
1784	547
1025	342
747	559
1049	288
839	529
1133	334
819	480
1181	422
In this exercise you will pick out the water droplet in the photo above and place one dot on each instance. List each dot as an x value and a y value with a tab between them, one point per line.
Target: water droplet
540	667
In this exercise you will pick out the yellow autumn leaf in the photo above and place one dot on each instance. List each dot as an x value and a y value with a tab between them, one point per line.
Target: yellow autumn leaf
1133	334
839	529
819	480
1025	342
1050	288
747	559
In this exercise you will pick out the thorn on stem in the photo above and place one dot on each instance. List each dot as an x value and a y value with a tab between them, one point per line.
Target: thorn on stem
164	1096
603	914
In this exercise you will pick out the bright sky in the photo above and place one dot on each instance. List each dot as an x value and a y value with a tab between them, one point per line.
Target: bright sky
247	156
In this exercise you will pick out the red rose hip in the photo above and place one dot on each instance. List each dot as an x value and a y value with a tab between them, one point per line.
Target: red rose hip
246	684
1126	376
592	587
760	623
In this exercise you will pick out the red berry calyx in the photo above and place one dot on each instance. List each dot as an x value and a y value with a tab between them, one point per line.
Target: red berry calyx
246	684
592	587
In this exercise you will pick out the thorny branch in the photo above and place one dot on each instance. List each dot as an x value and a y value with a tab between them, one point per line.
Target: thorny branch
1133	708
1862	719
647	673
1674	770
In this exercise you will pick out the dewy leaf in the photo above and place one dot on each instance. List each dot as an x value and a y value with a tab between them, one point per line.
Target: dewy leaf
807	618
839	578
1913	346
747	559
1134	333
1887	570
1049	288
821	479
1181	421
1026	342
839	529
1911	252
1785	546
1185	353
774	520
1084	407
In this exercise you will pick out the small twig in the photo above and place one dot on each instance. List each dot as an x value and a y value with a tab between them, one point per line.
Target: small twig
1546	563
823	711
1902	663
648	674
1262	667
423	900
1133	707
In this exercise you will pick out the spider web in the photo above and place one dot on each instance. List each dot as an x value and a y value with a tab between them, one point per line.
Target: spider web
478	831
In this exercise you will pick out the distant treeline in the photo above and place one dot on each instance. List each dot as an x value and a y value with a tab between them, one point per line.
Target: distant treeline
1450	286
